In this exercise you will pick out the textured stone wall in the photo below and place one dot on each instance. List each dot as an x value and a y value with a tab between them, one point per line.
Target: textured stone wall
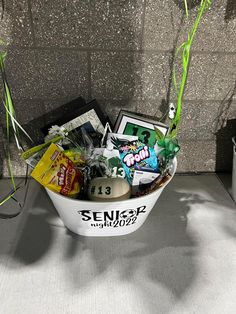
121	53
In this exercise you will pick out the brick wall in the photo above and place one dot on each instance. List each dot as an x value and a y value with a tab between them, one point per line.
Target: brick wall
121	53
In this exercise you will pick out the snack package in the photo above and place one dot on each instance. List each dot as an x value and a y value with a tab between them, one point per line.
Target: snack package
57	172
137	156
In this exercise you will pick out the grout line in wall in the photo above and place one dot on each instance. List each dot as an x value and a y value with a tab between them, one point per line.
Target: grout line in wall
141	51
81	49
143	25
190	140
195	101
31	23
199	52
89	75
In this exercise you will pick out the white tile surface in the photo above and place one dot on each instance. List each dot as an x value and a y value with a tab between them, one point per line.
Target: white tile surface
183	259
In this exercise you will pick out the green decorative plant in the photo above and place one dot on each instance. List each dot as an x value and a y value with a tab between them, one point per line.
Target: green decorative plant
169	143
11	126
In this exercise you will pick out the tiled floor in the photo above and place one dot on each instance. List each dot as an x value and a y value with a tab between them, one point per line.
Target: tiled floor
182	260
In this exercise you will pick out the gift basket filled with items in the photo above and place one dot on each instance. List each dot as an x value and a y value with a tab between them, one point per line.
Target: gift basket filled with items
103	180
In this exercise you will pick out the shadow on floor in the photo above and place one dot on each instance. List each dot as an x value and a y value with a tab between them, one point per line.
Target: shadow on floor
36	236
158	257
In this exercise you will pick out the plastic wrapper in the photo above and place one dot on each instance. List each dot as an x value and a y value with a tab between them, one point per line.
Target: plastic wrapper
58	173
137	156
156	184
76	156
142	180
34	154
98	164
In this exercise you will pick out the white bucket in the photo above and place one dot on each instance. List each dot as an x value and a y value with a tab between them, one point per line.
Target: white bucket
89	218
234	170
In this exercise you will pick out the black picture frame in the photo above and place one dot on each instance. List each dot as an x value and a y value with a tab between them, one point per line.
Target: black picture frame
89	115
131	123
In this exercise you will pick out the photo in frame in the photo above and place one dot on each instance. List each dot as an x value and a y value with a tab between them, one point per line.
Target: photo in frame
133	124
87	115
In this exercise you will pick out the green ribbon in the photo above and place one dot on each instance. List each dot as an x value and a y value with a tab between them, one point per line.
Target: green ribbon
169	149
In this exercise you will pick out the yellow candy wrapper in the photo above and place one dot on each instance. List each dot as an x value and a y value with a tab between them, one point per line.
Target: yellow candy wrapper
57	172
75	157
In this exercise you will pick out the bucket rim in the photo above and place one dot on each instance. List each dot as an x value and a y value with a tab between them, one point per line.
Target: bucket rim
174	164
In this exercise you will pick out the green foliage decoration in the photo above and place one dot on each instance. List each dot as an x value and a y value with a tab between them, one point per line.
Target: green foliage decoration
185	49
169	143
12	125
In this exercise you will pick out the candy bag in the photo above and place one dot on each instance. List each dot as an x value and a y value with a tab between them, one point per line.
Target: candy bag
137	156
57	172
